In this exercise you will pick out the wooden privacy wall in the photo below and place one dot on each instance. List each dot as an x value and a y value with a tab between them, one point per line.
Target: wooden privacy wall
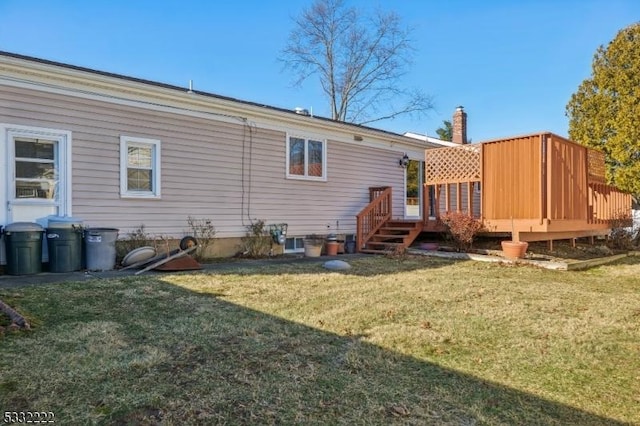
566	179
512	184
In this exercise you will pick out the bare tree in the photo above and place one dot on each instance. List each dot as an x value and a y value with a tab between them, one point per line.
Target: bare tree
358	59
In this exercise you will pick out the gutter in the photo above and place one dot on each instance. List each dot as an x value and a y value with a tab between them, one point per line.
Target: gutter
64	77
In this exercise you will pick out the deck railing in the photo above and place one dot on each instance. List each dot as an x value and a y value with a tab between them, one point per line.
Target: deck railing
607	204
374	215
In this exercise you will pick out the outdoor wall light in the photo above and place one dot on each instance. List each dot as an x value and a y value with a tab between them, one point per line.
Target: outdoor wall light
404	161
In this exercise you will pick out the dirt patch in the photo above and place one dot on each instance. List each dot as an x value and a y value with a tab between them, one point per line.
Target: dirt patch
563	250
141	416
581	251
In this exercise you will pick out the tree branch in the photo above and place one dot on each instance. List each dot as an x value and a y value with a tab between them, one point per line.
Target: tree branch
359	60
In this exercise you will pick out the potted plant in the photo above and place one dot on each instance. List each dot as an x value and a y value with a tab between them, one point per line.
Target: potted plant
514	249
313	245
332	245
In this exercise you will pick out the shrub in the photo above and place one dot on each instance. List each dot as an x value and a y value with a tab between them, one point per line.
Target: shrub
257	242
621	236
398	253
203	231
135	239
462	228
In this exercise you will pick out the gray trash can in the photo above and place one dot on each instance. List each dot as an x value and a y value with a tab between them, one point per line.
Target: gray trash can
23	248
100	248
64	244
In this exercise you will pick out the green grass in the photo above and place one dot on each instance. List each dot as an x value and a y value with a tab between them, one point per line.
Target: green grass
419	341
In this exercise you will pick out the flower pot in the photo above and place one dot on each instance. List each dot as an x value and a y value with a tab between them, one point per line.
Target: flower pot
514	249
312	248
332	248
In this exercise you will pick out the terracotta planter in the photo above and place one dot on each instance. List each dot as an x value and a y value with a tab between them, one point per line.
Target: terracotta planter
332	248
514	249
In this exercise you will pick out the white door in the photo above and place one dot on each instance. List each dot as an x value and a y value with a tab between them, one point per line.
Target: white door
37	170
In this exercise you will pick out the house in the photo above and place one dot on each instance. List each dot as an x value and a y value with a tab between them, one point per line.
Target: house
122	152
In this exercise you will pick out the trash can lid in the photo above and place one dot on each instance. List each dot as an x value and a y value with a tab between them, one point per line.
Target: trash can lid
99	230
59	222
23	227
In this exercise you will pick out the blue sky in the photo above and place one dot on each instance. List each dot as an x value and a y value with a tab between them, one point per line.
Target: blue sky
512	64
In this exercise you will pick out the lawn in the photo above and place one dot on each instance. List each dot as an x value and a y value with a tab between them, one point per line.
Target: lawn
407	341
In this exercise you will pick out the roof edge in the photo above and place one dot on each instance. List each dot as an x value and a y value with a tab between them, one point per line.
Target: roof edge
338	124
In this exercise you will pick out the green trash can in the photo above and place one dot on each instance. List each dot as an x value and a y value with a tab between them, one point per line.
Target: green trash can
23	248
64	244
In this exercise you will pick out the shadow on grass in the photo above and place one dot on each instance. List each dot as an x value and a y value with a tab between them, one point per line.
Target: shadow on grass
141	351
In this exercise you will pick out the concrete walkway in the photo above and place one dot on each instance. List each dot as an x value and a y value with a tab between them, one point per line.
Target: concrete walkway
16	281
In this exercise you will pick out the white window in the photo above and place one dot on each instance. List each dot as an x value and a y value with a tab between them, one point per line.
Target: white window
36	168
306	158
294	245
139	167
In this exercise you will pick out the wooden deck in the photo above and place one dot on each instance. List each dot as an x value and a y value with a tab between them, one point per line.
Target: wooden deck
537	187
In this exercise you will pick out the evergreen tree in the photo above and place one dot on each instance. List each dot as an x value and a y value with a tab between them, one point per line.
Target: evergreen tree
604	112
445	133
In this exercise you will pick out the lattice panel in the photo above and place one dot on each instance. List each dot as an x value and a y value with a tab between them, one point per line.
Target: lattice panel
596	166
455	164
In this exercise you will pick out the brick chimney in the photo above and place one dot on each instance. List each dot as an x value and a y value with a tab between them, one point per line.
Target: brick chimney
459	126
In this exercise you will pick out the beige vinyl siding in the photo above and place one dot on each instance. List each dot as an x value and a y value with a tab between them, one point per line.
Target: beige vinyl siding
202	169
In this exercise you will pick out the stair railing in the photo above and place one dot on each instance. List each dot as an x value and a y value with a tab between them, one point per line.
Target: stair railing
373	216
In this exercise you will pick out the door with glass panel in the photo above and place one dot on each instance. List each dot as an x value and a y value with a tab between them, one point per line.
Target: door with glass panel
37	174
413	190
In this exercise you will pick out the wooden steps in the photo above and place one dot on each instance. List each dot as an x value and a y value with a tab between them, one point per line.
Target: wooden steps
394	235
